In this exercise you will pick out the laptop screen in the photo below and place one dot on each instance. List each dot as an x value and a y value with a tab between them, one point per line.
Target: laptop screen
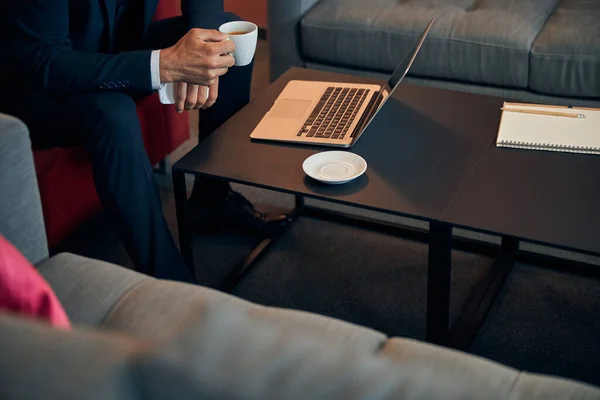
399	74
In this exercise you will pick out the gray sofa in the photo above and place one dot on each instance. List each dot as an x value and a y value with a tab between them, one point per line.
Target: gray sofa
529	50
138	337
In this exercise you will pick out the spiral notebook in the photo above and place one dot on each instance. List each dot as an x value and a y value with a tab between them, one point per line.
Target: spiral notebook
550	128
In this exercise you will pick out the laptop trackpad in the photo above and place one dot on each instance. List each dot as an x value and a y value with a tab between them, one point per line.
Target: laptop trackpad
290	108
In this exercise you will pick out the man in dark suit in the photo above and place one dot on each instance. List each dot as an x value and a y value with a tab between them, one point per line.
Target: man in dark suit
72	70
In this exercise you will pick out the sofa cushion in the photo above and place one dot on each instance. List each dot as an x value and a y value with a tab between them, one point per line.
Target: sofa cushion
484	41
482	375
88	289
159	310
565	58
96	293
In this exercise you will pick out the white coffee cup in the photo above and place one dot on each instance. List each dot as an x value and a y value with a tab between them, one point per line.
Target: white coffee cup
245	44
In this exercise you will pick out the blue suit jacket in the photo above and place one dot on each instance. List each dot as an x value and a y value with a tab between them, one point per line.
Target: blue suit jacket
68	46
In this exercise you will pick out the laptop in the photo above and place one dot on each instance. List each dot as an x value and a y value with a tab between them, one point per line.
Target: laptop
330	113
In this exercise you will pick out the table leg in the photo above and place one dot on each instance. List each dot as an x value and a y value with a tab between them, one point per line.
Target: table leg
438	283
478	306
510	246
183	226
299	203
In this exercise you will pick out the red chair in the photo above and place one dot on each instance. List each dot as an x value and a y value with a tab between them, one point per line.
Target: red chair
65	175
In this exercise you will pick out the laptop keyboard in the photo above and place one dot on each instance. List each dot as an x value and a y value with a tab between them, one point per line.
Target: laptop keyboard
334	113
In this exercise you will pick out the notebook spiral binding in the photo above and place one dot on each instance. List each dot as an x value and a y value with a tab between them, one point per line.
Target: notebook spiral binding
551	147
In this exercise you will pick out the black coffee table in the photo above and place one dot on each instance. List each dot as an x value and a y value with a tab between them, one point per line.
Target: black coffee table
431	156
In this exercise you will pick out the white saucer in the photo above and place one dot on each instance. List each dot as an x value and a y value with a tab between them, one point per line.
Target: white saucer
334	167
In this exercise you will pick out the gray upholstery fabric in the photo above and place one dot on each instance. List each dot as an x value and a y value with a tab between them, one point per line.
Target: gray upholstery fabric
39	362
565	59
484	41
170	340
100	294
231	352
21	220
88	289
171	305
480	372
486	47
505	93
284	38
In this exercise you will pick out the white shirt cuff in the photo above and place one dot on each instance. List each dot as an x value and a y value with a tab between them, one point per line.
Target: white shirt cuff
155	70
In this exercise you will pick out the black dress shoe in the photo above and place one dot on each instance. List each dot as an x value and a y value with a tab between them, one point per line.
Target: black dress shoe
235	212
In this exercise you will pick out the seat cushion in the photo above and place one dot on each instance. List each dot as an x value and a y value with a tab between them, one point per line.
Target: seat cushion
96	293
160	310
483	376
479	41
88	289
565	58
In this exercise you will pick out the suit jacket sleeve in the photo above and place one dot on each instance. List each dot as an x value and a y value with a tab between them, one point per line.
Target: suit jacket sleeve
44	53
205	14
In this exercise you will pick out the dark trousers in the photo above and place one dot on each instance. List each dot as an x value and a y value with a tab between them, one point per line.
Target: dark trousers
106	124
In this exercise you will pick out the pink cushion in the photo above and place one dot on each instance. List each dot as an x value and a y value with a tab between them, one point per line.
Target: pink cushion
24	291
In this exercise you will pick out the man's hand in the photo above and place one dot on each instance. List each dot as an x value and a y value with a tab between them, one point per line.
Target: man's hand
194	97
213	93
198	58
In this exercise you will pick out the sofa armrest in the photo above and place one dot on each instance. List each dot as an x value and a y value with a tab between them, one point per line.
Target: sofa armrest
21	218
284	34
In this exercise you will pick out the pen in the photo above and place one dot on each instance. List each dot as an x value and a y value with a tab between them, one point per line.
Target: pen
538	112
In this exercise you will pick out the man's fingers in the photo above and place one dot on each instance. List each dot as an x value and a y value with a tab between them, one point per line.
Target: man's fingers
227	61
192	97
213	93
211	35
202	96
180	92
217	62
223	47
217	72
